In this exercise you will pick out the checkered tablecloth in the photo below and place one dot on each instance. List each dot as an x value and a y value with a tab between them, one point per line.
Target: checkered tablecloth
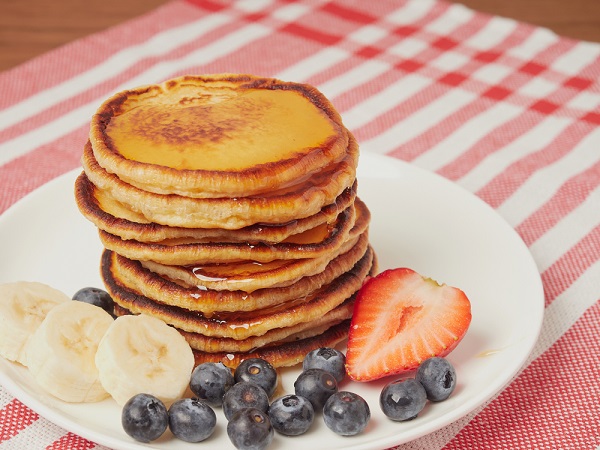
509	111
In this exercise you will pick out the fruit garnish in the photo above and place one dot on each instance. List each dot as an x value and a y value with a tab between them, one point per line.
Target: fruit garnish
291	415
259	371
210	381
192	420
60	353
243	395
438	377
144	417
250	429
400	319
326	358
23	307
316	385
403	400
346	413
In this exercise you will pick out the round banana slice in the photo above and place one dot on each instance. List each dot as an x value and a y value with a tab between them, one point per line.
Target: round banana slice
142	354
60	354
23	307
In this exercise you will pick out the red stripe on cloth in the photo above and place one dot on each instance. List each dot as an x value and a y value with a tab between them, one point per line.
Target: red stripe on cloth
348	13
553	404
579	83
14	418
311	34
502	186
532	68
569	267
207	5
22	175
544	107
71	441
568	197
592	117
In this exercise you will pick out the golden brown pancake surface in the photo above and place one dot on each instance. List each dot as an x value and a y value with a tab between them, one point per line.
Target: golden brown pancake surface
204	136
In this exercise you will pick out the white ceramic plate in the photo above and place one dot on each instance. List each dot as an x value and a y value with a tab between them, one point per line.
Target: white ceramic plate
419	220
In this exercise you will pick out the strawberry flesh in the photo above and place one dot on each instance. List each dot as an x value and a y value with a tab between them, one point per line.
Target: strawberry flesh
400	319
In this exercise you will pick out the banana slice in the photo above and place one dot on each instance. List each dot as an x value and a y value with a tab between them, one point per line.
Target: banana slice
23	307
61	352
142	354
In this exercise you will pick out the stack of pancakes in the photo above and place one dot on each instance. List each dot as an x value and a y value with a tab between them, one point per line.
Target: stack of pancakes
227	206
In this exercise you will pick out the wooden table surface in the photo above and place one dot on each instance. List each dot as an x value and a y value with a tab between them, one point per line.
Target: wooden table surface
29	28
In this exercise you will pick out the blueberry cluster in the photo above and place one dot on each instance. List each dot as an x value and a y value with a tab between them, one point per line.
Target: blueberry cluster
404	399
145	418
252	418
345	413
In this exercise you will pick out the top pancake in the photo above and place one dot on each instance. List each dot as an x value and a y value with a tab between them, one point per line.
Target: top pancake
217	136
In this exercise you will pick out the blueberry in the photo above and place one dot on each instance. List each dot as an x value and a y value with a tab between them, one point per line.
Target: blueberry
258	371
346	413
403	399
244	395
144	417
96	297
191	420
250	429
291	415
328	359
316	385
438	377
209	381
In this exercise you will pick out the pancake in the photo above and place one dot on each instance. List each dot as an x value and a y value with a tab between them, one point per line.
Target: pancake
278	206
284	355
132	275
275	336
214	136
100	208
319	241
243	324
249	276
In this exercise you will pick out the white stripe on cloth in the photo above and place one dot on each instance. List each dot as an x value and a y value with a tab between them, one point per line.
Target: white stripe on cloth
539	40
580	56
567	308
467	135
497	162
416	123
353	78
542	185
565	234
413	11
455	16
492	35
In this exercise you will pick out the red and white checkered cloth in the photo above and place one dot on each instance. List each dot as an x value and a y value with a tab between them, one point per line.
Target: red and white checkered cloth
509	111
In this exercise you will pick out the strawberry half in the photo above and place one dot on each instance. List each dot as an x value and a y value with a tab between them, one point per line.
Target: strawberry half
400	319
